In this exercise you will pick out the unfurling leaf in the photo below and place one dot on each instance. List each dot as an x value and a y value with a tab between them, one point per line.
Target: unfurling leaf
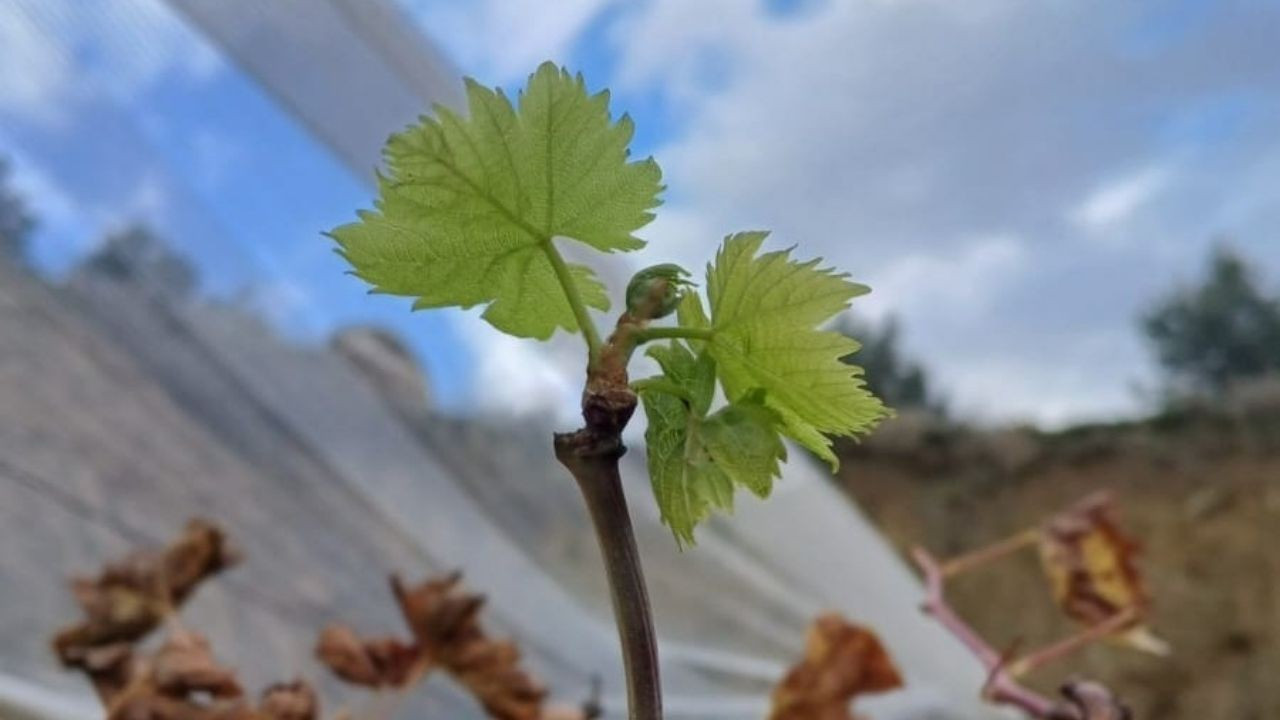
1092	568
468	210
765	311
696	459
656	291
841	661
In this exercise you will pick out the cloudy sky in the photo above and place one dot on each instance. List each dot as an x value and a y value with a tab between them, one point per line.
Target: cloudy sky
1016	180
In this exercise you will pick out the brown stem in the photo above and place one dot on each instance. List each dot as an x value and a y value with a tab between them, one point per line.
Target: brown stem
591	455
1001	687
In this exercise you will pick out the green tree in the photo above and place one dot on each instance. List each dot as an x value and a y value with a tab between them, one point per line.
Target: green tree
898	380
1223	329
16	221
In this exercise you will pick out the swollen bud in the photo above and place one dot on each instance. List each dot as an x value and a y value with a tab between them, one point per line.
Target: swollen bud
655	291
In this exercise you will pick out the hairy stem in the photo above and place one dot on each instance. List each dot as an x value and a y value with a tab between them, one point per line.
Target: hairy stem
588	326
1001	687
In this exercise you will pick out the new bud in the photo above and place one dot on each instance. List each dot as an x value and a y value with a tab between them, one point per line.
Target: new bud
655	291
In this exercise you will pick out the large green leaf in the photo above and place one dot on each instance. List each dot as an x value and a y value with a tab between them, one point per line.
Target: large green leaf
469	207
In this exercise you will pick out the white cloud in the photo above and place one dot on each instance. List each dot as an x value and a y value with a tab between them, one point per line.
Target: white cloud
1115	201
216	156
55	54
520	377
956	285
963	159
33	72
502	40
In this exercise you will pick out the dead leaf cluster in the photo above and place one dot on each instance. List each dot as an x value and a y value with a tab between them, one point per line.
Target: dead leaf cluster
446	634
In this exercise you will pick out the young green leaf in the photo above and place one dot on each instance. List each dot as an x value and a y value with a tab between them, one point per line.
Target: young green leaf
765	311
697	459
469	207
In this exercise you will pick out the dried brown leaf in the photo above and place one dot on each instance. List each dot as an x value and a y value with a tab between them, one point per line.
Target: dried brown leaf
184	665
1092	568
841	661
181	681
131	597
374	662
445	620
441	616
290	701
445	623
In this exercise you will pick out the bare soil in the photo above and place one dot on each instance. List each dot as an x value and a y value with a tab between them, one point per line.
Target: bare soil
1201	491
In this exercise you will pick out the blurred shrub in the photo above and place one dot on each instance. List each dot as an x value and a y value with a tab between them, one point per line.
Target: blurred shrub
16	220
901	382
1217	333
136	255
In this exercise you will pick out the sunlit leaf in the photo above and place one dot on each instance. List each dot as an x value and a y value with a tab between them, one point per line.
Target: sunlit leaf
469	207
765	311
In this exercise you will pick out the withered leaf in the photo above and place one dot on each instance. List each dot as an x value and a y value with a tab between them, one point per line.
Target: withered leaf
1092	568
441	616
290	701
445	621
375	662
184	665
131	597
181	681
841	661
445	624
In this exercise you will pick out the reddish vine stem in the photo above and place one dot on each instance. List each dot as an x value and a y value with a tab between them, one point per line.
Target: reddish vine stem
1084	700
1001	687
988	554
1065	647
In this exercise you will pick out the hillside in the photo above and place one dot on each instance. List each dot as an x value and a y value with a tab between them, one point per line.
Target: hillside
1199	487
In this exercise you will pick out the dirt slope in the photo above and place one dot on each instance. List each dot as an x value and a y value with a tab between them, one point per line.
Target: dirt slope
1202	491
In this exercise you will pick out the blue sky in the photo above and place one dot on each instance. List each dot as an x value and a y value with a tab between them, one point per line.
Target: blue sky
1016	180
